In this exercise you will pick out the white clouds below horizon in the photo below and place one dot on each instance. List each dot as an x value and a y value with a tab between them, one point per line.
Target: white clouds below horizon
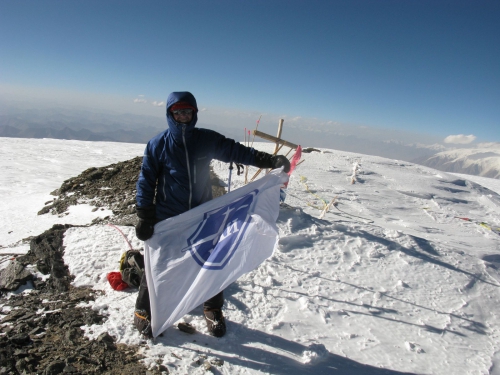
460	139
154	103
229	121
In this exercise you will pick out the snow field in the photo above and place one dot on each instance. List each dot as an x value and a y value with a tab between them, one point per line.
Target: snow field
33	168
390	280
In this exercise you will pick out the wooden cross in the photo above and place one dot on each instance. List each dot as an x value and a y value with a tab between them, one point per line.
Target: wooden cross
279	143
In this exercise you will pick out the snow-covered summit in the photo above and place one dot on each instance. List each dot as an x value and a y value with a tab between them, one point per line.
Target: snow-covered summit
400	275
483	160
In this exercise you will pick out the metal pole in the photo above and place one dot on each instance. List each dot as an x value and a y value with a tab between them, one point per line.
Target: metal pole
229	179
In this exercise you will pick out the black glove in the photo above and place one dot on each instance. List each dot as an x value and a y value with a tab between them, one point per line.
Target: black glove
281	161
146	227
265	160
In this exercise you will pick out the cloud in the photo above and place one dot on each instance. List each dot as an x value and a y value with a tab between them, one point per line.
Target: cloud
140	99
490	145
460	139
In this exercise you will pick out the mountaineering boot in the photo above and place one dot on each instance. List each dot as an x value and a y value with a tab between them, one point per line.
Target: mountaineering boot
216	323
143	323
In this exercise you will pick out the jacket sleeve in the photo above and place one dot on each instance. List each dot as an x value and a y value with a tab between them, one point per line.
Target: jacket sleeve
150	171
228	150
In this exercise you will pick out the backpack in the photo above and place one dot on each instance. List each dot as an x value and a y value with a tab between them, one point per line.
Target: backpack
132	267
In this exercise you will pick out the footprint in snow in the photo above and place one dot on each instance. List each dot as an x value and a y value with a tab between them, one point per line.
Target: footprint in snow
287	244
412	347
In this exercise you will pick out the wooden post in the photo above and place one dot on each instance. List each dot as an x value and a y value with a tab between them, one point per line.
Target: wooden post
274	139
277	140
280	128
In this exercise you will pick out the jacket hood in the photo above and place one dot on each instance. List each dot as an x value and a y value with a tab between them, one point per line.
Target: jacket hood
176	97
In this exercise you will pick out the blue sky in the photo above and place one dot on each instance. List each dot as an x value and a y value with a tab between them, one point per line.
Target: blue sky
420	66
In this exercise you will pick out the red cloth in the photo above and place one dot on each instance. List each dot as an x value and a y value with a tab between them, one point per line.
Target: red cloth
181	105
116	282
295	159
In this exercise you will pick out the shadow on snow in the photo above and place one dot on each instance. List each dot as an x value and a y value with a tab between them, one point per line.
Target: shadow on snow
276	355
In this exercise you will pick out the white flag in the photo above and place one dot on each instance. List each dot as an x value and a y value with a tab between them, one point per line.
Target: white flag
193	256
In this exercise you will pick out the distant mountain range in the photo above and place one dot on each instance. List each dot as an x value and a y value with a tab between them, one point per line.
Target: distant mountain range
78	124
482	161
84	125
119	135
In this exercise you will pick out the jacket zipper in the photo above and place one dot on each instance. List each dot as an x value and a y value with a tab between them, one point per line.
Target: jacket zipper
187	159
164	185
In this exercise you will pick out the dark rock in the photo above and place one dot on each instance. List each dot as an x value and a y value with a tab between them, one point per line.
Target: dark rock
43	267
45	210
217	362
46	251
68	369
21	365
14	275
95	175
36	331
105	337
27	316
20	339
19	302
54	368
186	327
308	150
13	316
71	335
21	353
112	187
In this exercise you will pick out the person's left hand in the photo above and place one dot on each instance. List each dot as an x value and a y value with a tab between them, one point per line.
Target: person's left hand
279	161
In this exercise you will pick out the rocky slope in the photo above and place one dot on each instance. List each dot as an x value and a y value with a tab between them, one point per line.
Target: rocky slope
40	332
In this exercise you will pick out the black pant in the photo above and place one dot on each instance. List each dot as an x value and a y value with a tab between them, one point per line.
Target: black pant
142	302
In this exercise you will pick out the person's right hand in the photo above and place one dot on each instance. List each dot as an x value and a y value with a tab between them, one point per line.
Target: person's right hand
146	227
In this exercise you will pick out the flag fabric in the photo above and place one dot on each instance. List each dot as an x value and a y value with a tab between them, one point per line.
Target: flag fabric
193	256
295	159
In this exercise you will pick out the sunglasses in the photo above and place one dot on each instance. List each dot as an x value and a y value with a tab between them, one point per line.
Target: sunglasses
186	111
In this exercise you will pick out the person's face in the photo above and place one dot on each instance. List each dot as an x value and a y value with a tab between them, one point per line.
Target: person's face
183	116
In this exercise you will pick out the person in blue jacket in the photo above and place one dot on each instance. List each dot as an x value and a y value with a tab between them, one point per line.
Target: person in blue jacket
175	177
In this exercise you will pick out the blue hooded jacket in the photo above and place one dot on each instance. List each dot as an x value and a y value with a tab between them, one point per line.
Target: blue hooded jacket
176	165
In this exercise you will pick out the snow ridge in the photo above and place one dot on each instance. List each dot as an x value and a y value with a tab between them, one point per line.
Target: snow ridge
484	161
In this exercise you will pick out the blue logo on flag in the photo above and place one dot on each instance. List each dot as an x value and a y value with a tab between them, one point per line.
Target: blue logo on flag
219	234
